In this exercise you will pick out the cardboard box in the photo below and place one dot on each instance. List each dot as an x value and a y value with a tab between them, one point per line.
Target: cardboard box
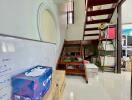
32	84
59	82
91	69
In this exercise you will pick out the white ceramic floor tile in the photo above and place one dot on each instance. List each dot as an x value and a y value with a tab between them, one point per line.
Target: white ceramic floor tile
105	86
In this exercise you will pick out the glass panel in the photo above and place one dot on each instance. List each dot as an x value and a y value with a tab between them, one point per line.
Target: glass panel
70	12
70	18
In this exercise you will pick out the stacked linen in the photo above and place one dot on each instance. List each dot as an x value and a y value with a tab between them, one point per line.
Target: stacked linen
107	61
108	46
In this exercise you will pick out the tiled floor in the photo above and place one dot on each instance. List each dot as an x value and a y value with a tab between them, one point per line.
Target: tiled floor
105	86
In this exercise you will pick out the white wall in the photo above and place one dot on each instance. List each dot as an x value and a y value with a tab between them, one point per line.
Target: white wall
75	31
48	27
126	12
114	17
18	17
62	26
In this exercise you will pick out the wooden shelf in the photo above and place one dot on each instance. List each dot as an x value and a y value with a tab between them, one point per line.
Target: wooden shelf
102	52
75	67
106	50
75	72
106	39
71	63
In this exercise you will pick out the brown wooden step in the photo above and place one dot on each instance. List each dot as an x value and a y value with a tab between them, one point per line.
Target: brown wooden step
100	12
98	21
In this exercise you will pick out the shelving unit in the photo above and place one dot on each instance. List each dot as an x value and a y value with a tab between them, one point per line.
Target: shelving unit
72	59
107	48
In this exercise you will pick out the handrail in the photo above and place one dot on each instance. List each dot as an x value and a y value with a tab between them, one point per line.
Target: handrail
86	8
86	4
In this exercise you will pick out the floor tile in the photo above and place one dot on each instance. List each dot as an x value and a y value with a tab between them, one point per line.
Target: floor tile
105	86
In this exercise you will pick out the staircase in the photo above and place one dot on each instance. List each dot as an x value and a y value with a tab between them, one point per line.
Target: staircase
97	12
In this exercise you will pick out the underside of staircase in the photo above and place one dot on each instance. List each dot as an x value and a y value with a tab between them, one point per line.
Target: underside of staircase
97	12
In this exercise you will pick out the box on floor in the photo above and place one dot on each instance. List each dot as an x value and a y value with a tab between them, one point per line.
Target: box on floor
91	69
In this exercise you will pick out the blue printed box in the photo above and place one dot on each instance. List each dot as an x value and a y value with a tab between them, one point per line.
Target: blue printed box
32	84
